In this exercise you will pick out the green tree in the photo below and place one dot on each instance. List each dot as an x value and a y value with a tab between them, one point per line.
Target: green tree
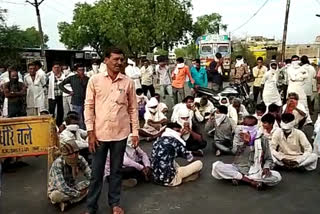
85	29
188	52
136	26
208	24
12	39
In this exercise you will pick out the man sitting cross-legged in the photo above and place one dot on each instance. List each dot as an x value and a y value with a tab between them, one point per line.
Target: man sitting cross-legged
65	170
252	161
290	147
165	150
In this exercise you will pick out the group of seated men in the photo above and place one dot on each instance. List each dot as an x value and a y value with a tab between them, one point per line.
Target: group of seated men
273	137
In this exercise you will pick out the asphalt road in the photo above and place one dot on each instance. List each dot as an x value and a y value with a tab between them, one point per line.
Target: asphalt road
24	192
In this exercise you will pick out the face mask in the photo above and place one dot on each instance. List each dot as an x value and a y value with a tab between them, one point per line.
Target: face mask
95	68
295	63
287	127
153	110
253	133
73	127
218	116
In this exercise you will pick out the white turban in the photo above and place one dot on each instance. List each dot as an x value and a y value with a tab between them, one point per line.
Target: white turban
153	102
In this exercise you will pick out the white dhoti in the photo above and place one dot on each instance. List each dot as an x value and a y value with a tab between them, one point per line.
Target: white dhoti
306	161
221	171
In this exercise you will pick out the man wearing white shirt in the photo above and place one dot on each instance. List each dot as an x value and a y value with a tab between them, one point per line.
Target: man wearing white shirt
308	83
35	83
38	68
297	77
290	147
164	78
133	72
147	78
67	106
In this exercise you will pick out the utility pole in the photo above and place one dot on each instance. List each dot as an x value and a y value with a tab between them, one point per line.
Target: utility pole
284	39
36	4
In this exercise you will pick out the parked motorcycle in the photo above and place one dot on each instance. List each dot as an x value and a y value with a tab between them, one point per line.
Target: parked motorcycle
232	91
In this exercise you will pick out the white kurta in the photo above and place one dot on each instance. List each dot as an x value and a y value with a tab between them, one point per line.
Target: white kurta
270	91
133	73
308	83
35	91
295	147
296	77
157	117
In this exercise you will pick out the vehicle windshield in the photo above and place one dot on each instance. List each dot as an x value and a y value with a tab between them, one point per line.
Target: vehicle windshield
206	49
223	49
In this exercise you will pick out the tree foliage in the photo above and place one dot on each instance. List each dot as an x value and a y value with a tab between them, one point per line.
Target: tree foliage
189	52
208	24
136	26
12	38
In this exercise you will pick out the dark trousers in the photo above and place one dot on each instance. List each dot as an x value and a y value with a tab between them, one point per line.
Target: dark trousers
57	102
147	88
310	104
131	172
194	145
16	110
117	149
256	92
176	93
284	91
224	146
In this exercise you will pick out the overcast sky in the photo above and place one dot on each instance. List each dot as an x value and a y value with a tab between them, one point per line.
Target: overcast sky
304	26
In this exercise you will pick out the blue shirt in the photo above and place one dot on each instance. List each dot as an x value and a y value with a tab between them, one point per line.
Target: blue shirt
200	77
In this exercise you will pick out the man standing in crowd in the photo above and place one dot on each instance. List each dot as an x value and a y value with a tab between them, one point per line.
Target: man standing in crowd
94	69
15	92
162	72
297	77
269	84
133	72
78	84
258	73
147	78
215	81
54	92
111	114
305	64
67	106
38	68
35	83
283	79
240	74
179	75
199	75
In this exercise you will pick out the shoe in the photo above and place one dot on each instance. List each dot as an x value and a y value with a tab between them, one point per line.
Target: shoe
129	183
198	153
117	210
192	177
62	206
